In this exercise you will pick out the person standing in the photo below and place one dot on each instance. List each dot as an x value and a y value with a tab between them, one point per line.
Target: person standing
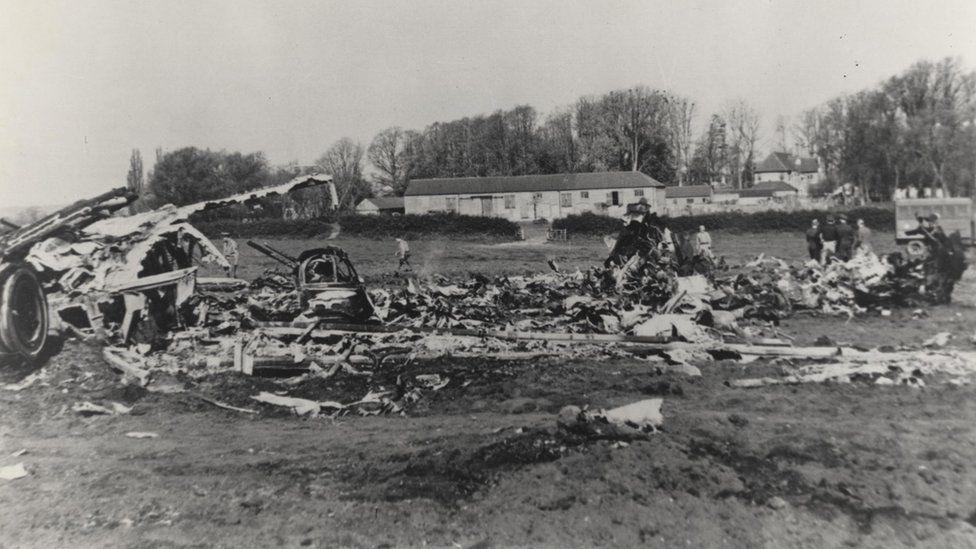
230	254
704	242
667	240
845	239
863	237
814	244
828	236
403	252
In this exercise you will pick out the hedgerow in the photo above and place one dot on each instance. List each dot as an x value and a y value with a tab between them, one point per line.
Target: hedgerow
589	224
370	226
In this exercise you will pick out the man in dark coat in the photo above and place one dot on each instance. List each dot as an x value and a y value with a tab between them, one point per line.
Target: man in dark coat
845	239
814	244
828	236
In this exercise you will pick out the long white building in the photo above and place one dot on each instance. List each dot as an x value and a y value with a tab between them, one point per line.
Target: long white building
528	197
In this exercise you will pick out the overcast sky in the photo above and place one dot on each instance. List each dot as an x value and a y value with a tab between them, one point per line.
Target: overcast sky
83	83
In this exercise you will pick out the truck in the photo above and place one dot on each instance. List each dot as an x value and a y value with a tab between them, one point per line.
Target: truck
955	214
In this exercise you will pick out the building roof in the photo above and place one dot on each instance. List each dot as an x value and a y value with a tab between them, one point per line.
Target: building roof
754	193
531	183
786	162
776	186
386	202
688	191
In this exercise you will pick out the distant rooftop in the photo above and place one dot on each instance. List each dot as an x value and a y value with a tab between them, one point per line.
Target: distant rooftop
754	193
786	162
774	186
688	191
386	202
531	183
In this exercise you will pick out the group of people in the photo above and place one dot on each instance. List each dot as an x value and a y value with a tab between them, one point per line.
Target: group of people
837	239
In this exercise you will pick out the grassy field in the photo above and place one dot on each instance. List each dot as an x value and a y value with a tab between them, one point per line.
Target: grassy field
375	261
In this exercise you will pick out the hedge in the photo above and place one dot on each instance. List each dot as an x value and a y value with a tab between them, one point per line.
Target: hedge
799	220
411	227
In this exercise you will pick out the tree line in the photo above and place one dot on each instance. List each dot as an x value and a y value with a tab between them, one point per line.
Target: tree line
916	128
637	129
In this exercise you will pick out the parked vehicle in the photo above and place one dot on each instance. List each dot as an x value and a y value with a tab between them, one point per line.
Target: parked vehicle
955	214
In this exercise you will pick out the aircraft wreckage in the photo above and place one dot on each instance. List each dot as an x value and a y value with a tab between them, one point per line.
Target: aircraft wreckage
81	269
131	284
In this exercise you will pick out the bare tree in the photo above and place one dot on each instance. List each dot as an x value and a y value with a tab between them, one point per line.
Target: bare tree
635	118
386	152
680	116
781	135
136	179
742	133
559	147
344	160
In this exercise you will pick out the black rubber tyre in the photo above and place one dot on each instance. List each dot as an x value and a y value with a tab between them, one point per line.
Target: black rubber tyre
23	313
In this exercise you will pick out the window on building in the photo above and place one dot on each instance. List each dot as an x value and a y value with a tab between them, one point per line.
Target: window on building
451	204
690	201
509	201
537	196
638	192
584	194
566	200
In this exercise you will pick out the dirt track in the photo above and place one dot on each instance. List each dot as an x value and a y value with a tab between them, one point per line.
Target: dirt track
481	463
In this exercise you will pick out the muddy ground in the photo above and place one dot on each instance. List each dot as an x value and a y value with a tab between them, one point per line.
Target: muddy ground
481	463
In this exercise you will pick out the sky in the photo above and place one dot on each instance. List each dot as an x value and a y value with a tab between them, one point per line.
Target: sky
84	83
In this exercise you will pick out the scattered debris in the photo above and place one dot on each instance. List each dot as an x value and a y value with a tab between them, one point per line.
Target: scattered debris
13	472
630	422
225	406
127	362
940	339
300	406
91	409
776	502
883	368
28	381
644	415
141	434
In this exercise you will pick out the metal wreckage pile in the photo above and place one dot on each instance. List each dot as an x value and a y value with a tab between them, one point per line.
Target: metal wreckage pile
131	283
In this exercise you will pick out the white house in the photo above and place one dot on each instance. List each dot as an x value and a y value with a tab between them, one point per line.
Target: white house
753	197
380	204
688	195
527	197
800	173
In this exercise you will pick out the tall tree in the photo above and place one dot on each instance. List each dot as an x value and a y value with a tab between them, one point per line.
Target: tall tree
917	128
782	137
708	164
680	117
136	178
742	132
558	146
387	154
635	120
189	175
344	161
